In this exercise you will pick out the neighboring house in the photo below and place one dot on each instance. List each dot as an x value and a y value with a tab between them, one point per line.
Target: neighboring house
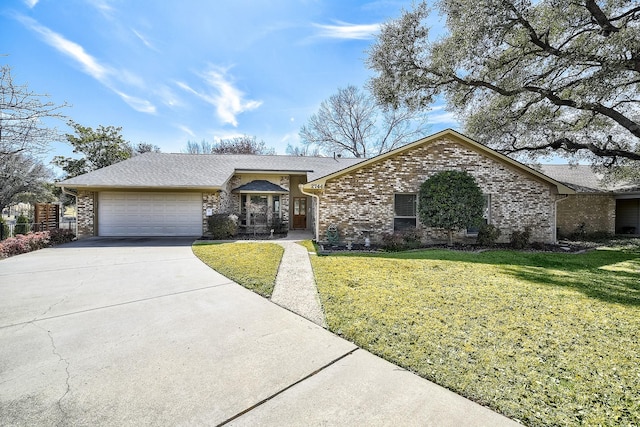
597	206
157	194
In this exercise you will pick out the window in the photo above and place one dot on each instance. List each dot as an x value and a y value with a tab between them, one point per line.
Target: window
259	208
405	208
276	207
486	215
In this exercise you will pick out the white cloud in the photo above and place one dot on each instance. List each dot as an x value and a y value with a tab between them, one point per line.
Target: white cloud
227	99
144	40
31	3
141	105
102	73
168	97
441	117
73	50
344	30
186	130
103	7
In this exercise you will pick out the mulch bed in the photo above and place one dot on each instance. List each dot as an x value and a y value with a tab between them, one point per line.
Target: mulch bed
562	247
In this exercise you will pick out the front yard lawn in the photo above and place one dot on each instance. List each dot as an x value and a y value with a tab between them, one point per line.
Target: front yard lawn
544	338
253	265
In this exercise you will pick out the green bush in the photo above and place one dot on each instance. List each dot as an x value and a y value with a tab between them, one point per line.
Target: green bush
278	225
520	239
222	226
451	200
58	236
5	229
402	240
23	225
392	242
488	235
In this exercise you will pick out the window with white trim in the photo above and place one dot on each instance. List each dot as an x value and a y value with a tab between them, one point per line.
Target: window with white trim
405	208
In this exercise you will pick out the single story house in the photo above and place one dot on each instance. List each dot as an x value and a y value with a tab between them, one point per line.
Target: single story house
157	194
598	205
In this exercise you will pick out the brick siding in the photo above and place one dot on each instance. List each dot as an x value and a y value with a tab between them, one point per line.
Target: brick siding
364	198
596	211
85	216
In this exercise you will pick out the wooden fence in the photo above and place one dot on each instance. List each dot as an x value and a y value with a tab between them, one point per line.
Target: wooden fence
46	216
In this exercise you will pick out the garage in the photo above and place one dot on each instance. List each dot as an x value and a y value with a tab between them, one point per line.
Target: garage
149	214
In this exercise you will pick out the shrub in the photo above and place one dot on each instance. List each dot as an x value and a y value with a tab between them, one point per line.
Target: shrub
277	225
58	236
392	242
222	226
402	240
488	235
23	225
451	200
520	239
4	229
333	235
412	238
24	243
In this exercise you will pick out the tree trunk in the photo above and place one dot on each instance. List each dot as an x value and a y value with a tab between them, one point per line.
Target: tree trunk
450	237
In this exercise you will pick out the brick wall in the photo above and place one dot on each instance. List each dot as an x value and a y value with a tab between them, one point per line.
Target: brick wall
85	208
596	211
363	199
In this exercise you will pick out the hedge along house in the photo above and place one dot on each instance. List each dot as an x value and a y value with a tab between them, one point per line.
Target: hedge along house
379	195
598	206
157	194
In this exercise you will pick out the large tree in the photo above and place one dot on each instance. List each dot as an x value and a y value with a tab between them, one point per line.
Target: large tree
534	78
351	122
98	148
20	174
23	119
239	145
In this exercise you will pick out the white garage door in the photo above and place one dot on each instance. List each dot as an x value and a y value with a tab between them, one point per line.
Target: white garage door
149	214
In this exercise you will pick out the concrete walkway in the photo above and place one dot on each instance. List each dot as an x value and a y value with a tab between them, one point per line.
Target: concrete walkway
295	287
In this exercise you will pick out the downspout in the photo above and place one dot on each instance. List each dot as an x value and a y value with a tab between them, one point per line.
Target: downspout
316	218
555	217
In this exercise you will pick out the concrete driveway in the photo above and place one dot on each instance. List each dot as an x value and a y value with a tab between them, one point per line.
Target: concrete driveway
140	332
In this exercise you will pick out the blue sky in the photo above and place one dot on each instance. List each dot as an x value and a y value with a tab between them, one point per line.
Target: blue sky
178	70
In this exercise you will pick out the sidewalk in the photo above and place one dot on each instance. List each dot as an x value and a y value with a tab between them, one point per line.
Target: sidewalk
295	287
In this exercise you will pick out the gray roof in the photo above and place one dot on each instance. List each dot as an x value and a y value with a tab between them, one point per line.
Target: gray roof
584	179
262	186
166	170
581	178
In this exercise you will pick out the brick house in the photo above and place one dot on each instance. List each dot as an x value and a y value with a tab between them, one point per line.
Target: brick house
379	195
598	205
157	194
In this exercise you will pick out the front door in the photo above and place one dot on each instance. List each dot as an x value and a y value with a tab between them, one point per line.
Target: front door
299	212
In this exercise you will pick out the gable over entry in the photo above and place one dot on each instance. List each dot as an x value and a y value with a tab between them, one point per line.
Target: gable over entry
260	203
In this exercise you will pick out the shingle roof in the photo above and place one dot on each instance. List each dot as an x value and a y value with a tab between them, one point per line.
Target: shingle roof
165	170
581	178
262	186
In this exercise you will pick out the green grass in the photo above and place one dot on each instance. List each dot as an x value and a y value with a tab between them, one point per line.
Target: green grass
309	246
252	265
547	339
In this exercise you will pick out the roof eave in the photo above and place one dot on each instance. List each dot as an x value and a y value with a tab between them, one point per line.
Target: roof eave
89	187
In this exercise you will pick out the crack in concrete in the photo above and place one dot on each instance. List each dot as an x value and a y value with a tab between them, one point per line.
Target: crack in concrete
54	350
